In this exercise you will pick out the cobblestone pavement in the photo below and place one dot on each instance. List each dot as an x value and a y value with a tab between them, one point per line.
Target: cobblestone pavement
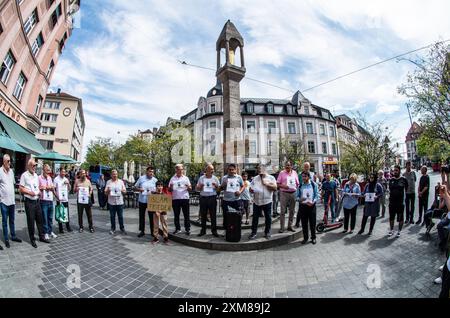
124	266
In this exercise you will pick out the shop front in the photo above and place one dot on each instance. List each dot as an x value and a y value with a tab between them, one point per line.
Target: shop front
330	165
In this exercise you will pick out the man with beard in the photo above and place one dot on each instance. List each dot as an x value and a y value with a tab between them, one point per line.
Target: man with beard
397	187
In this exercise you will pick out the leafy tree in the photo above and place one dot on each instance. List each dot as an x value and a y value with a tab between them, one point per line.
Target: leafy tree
101	151
435	150
292	148
428	90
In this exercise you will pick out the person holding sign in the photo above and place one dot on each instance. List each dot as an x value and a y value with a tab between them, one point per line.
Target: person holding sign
62	188
308	195
159	217
115	189
83	189
180	186
232	185
350	201
262	186
373	192
29	187
145	186
208	184
288	183
46	196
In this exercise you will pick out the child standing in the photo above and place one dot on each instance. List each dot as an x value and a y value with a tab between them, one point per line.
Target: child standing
160	217
245	196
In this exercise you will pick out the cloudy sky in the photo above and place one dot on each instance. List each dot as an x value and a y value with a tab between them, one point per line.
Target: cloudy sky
122	60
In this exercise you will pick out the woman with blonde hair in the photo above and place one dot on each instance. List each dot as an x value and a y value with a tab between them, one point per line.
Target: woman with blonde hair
351	194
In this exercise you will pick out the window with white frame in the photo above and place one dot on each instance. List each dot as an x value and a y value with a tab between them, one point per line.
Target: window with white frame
311	147
31	22
55	15
52	105
271	125
37	44
306	110
251	126
38	105
7	66
309	128
324	148
20	86
50	68
270	109
212	124
332	132
213	108
250	108
334	149
252	148
291	128
322	129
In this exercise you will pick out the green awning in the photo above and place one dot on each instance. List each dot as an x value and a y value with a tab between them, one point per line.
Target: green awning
7	143
54	156
21	135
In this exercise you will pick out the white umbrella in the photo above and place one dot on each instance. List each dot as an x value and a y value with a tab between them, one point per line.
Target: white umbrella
125	170
132	167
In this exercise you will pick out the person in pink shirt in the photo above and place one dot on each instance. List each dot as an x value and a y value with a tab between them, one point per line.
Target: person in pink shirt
287	183
47	193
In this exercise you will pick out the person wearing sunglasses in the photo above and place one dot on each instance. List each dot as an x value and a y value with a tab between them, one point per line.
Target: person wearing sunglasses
29	187
7	201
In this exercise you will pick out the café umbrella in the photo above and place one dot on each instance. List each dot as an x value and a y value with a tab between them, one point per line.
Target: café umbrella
54	156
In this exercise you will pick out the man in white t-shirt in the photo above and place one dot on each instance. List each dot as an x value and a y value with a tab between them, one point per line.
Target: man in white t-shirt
62	189
180	186
8	200
115	189
29	187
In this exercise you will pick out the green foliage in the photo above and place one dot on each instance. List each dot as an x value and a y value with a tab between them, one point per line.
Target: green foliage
428	90
434	149
292	149
100	151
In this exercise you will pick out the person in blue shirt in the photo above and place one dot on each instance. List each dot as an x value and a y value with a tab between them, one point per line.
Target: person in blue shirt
308	195
351	194
145	185
330	195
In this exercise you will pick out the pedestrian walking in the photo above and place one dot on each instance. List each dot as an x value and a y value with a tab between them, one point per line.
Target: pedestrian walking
262	186
245	196
384	183
232	185
29	187
397	188
46	200
350	201
83	189
330	196
160	217
62	189
308	194
372	192
102	197
115	189
410	198
288	183
423	193
208	184
8	201
145	185
180	185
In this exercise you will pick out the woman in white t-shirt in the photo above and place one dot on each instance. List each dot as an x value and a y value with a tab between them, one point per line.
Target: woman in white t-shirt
115	189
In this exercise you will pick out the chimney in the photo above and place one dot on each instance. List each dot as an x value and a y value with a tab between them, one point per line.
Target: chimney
58	92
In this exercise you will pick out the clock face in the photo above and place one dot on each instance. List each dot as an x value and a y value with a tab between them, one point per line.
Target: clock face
214	92
67	112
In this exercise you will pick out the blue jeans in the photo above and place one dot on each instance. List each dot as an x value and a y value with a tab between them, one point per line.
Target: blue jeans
113	209
8	215
258	210
332	207
47	216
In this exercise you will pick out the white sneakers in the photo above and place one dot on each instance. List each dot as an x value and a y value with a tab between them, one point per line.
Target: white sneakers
398	234
53	235
46	237
438	280
441	268
390	233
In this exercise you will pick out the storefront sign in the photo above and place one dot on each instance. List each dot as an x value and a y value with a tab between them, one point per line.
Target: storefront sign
8	110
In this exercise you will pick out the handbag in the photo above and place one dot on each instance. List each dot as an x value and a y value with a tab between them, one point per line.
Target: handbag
61	214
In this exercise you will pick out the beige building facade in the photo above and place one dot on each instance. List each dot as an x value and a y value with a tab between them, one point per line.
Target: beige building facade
62	125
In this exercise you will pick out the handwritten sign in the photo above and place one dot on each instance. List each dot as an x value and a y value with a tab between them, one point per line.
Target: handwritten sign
159	202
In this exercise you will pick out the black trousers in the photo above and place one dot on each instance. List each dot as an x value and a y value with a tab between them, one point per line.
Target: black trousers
308	215
81	208
142	209
445	283
423	205
350	216
410	202
66	204
34	214
298	218
178	205
208	204
364	222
